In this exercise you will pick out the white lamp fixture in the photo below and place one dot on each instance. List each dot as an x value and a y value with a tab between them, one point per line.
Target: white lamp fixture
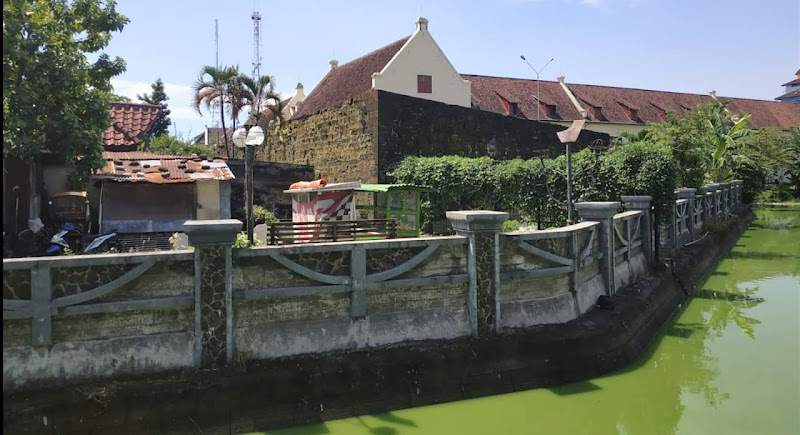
239	137
255	136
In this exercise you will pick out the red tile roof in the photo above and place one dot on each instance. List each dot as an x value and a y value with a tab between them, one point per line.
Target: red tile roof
348	81
485	91
129	124
613	104
146	167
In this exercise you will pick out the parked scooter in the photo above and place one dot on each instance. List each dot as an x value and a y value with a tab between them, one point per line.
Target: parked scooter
98	242
66	238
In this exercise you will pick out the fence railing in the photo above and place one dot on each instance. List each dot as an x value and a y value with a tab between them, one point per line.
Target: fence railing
206	307
693	209
284	233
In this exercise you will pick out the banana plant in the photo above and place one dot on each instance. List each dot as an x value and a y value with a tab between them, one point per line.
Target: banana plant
727	141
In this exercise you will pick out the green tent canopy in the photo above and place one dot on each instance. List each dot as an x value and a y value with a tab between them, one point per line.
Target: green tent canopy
394	201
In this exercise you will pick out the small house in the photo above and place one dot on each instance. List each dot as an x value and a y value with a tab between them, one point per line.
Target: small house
146	197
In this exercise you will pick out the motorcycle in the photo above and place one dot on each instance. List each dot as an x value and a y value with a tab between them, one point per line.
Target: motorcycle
100	241
61	240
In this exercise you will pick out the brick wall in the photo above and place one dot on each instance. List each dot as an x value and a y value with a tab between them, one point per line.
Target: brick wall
340	143
361	138
411	126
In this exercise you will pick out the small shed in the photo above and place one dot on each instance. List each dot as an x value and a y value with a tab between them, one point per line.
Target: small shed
332	202
400	202
143	194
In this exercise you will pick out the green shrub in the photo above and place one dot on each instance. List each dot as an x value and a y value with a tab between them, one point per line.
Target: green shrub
640	168
752	174
263	216
535	190
775	193
260	215
242	242
511	226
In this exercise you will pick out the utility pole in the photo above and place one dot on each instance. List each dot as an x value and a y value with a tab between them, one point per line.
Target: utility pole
256	17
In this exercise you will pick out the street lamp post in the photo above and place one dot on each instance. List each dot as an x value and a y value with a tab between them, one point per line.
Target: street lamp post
568	137
248	137
538	102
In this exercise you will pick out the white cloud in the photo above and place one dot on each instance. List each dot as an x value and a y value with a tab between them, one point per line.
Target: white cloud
180	97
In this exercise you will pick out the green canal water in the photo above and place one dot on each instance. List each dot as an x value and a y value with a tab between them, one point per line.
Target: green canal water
727	363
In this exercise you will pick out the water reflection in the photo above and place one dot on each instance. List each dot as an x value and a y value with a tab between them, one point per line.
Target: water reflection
729	362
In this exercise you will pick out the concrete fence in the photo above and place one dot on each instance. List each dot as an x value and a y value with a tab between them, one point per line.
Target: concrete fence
82	318
695	208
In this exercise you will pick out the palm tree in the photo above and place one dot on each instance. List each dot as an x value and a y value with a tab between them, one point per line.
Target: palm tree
215	89
260	96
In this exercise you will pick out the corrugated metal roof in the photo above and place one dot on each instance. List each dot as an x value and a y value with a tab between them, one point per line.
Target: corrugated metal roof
161	169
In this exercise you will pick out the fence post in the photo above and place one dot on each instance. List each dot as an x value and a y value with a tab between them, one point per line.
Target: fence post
213	287
482	229
707	192
715	189
642	203
726	196
688	194
41	311
603	212
736	193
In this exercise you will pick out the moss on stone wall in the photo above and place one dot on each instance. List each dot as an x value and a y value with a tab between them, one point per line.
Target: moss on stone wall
340	143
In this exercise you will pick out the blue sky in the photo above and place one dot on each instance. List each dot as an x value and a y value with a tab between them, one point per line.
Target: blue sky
736	47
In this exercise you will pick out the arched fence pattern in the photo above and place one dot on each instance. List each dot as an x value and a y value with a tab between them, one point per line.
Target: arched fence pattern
79	318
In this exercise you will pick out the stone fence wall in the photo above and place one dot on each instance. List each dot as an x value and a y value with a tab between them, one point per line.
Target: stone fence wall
81	318
694	210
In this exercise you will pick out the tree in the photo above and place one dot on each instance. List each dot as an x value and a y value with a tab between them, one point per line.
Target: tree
727	143
157	98
166	144
261	97
688	137
215	90
120	98
54	99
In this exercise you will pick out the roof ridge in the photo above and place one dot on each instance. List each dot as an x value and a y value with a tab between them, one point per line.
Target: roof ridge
618	87
130	103
372	52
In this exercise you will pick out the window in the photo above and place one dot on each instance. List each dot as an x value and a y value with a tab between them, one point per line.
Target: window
513	109
634	115
551	111
424	85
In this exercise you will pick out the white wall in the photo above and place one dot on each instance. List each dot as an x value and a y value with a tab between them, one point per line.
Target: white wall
422	56
288	111
208	200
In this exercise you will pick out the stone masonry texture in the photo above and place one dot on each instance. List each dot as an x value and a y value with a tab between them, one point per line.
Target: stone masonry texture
212	309
362	138
485	274
340	143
